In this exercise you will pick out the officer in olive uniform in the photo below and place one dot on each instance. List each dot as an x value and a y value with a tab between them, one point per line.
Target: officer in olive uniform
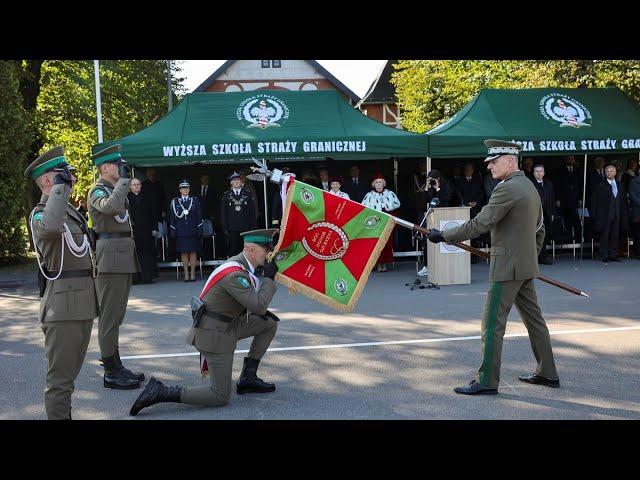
236	308
69	302
514	217
237	213
116	259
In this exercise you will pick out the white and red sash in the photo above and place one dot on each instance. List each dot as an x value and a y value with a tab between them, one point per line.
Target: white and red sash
217	275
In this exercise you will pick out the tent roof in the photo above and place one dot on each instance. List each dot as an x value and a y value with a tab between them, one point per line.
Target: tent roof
546	121
225	128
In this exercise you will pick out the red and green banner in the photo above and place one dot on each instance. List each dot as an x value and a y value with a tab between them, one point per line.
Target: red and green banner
328	245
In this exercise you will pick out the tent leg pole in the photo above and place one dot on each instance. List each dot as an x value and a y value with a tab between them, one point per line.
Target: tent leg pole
428	164
266	211
395	174
584	205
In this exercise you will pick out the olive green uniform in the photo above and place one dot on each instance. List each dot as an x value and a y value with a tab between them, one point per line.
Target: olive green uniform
512	215
69	305
235	298
115	256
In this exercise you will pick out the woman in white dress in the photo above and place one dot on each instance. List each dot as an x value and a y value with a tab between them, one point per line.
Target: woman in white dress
379	198
335	183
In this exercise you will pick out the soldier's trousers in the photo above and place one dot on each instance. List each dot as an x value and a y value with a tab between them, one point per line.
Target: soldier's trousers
113	294
65	345
502	295
218	392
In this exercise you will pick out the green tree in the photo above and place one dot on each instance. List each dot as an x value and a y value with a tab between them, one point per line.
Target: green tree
14	146
133	94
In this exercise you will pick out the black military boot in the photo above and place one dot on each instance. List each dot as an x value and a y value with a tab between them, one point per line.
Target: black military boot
249	381
114	376
125	371
155	392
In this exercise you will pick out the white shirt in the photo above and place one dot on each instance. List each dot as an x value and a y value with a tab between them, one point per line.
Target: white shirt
185	198
203	190
236	192
325	186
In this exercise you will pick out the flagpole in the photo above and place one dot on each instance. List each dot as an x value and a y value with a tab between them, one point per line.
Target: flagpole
485	255
96	74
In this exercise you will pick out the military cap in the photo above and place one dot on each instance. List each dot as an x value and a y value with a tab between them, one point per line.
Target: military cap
108	155
500	147
184	183
234	175
262	237
50	160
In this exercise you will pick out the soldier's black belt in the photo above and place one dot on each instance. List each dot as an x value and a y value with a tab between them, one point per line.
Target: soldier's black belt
217	316
107	236
71	274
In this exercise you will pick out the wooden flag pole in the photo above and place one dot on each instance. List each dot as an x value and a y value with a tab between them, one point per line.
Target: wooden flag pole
276	177
485	255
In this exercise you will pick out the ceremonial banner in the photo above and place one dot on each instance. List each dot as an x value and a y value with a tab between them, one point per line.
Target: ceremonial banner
328	245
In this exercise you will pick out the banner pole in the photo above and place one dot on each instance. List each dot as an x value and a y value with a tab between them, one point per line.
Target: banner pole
266	214
485	255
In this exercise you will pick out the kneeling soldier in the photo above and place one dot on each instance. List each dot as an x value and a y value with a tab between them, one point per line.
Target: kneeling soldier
236	302
69	302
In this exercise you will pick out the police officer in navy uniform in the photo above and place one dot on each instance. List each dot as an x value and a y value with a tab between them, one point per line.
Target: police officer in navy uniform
185	215
237	213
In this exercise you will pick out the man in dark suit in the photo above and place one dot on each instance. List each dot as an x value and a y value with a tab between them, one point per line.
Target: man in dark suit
323	175
471	190
209	204
568	193
609	214
595	178
356	186
548	199
527	168
153	191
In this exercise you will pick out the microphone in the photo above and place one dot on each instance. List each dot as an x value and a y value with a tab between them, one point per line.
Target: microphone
434	202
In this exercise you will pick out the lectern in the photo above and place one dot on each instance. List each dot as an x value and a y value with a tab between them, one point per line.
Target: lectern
448	265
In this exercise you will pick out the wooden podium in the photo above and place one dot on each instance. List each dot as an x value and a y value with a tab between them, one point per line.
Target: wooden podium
448	265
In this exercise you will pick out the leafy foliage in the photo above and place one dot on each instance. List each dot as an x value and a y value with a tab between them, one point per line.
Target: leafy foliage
14	143
429	92
133	95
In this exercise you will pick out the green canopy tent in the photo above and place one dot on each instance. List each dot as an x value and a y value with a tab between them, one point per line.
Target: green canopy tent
544	121
214	128
278	125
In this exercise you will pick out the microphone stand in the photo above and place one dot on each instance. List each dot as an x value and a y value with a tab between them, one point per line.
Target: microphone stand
418	282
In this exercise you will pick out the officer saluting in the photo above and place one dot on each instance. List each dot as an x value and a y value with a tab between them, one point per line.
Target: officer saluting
237	213
116	259
236	302
69	302
514	217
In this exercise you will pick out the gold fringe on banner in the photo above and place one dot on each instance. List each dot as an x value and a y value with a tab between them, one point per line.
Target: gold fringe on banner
297	287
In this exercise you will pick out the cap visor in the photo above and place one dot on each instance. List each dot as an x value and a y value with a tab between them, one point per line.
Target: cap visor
491	157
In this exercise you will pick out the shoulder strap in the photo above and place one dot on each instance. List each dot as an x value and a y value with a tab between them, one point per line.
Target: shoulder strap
218	274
